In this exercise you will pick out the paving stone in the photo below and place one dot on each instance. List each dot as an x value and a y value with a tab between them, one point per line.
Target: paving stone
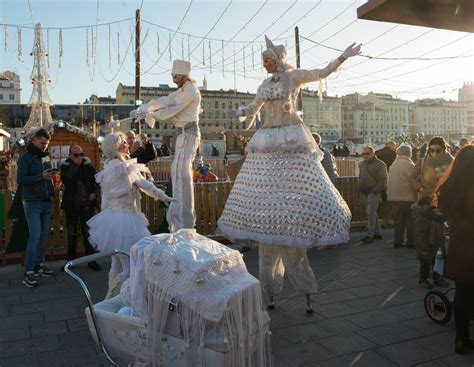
426	326
23	361
410	310
16	333
9	300
366	291
374	318
335	310
345	344
300	354
49	328
59	313
441	343
11	322
69	356
29	346
77	324
360	359
408	353
458	360
82	337
389	334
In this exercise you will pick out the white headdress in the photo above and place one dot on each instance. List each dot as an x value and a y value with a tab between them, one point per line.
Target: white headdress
111	144
181	67
277	53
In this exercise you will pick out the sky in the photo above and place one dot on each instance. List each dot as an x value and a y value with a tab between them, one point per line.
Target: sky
98	56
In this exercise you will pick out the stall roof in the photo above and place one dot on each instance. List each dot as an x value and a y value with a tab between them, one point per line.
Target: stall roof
455	15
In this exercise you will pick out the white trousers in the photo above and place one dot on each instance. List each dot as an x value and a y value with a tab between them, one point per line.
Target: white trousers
181	213
274	260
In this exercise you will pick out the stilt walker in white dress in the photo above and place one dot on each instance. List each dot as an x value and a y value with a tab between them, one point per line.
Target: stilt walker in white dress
282	197
121	222
182	107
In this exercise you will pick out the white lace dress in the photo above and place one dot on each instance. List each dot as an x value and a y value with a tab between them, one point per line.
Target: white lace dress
282	195
121	222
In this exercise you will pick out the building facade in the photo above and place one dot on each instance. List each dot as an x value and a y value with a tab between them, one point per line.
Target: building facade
438	117
10	90
322	116
466	97
374	118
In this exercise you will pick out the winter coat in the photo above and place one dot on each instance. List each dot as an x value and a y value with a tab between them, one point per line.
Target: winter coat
399	187
460	252
145	153
386	155
372	176
71	174
425	182
30	175
422	219
329	165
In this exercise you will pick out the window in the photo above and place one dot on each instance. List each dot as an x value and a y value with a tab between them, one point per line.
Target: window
1	97
223	105
216	104
12	97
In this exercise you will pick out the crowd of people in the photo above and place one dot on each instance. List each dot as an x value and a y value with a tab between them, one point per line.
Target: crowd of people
283	200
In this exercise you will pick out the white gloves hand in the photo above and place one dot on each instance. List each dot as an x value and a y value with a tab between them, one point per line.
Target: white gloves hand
163	197
352	51
234	113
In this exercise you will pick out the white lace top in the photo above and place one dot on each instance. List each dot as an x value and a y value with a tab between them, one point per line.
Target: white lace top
121	182
279	95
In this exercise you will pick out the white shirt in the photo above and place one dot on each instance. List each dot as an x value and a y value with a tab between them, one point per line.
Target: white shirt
181	106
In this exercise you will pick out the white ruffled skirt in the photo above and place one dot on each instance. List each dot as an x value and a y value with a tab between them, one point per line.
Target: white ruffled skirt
117	229
282	194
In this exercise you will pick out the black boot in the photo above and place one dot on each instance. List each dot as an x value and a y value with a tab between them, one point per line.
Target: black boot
309	308
424	274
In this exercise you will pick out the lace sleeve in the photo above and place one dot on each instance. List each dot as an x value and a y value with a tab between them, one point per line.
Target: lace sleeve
301	76
253	108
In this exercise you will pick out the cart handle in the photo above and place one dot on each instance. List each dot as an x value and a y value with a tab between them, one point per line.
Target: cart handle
93	257
86	259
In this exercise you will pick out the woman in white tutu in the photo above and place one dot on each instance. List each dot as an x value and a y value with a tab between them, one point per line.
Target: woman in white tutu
282	197
121	222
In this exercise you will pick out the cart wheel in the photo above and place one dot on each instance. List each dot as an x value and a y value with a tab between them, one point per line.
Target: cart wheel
438	307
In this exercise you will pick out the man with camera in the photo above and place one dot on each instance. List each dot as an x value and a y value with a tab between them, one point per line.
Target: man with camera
34	175
143	151
79	200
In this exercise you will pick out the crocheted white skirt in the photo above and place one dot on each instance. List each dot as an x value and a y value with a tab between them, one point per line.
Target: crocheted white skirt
283	196
117	229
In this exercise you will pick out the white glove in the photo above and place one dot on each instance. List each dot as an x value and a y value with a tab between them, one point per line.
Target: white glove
352	51
233	113
150	119
163	197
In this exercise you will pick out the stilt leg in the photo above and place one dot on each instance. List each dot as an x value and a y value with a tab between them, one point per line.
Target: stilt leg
309	308
271	303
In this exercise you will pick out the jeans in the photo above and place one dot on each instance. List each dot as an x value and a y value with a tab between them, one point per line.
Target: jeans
463	307
373	225
402	221
38	216
78	214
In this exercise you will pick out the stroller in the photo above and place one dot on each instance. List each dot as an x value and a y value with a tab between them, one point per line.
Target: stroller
205	308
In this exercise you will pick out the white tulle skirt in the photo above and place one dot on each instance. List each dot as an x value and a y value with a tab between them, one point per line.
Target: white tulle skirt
117	229
283	196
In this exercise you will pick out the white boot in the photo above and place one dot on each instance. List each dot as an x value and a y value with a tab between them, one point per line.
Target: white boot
115	282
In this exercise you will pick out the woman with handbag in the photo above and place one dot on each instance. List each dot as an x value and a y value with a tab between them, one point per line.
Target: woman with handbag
455	199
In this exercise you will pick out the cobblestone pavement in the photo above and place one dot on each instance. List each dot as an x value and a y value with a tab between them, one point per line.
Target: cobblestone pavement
369	312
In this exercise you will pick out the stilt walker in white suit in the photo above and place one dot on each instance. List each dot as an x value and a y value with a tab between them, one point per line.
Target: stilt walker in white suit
182	107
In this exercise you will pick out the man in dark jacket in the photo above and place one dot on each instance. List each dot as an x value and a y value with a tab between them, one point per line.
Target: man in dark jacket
372	182
328	162
388	153
79	200
143	151
34	175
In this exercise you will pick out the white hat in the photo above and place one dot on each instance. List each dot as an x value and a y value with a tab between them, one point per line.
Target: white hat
181	67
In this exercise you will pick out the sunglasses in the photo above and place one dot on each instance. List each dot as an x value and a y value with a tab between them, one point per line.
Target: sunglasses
436	150
78	155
